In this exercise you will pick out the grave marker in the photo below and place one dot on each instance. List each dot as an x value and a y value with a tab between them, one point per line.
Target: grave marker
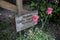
25	21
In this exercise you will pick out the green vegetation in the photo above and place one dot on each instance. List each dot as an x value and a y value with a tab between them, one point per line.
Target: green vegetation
36	35
6	30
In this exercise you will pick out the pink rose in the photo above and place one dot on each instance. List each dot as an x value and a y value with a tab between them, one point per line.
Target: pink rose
35	18
49	11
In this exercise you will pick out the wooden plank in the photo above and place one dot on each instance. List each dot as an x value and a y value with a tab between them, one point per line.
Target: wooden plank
25	21
11	7
7	5
20	9
19	6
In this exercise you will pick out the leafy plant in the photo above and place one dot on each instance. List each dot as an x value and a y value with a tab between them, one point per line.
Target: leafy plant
46	10
37	35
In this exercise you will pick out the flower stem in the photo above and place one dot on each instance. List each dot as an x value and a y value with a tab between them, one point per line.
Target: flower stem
43	22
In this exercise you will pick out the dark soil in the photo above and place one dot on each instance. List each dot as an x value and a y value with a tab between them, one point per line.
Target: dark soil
7	25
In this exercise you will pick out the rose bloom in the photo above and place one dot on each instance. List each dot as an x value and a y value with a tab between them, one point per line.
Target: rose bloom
49	11
35	18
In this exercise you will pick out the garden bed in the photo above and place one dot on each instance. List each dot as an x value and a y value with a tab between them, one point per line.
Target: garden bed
8	32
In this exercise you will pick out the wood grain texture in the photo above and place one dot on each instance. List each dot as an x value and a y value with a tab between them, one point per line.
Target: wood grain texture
12	7
19	6
7	5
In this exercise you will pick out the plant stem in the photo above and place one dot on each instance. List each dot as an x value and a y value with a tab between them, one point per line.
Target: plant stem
43	22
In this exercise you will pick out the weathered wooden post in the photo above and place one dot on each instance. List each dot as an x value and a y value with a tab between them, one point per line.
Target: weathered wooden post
19	5
24	20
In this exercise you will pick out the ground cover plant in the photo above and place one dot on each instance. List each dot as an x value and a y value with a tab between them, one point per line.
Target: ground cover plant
36	35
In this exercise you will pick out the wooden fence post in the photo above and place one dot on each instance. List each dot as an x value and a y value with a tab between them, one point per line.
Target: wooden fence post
19	5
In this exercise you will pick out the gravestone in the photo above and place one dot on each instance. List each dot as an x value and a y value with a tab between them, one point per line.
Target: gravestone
25	21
